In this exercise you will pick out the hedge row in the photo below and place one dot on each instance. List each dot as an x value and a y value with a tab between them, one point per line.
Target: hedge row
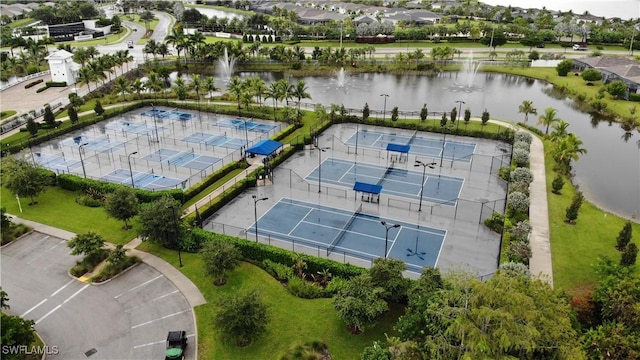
33	83
258	252
208	181
287	131
221	200
76	183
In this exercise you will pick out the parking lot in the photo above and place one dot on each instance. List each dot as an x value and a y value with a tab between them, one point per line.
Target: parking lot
126	318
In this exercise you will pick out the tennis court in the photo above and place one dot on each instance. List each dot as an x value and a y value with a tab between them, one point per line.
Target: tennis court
250	125
142	180
453	150
216	140
182	158
56	163
438	188
168	114
355	233
135	128
93	143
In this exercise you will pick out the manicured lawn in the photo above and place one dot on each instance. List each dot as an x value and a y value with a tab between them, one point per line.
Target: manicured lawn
21	22
57	207
293	320
575	248
6	113
211	188
111	38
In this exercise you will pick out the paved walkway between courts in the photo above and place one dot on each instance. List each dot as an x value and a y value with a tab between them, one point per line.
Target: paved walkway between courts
186	287
540	263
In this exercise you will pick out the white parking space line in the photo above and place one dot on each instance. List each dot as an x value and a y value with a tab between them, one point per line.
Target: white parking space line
30	248
45	251
33	308
139	286
160	318
62	288
64	302
158	342
156	299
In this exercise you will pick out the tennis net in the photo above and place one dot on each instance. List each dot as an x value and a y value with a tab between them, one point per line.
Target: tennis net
386	173
337	239
415	133
179	159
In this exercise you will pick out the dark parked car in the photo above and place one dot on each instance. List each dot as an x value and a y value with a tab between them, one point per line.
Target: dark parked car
176	344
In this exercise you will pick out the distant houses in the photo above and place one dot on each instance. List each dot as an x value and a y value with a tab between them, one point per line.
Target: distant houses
613	68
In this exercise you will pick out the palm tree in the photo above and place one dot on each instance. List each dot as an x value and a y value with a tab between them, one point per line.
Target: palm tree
155	83
566	149
272	93
549	118
300	91
177	39
209	85
527	108
196	85
163	50
195	41
86	76
138	87
559	131
151	48
122	86
180	88
236	88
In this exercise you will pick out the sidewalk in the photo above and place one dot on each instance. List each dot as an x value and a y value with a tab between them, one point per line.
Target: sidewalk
186	287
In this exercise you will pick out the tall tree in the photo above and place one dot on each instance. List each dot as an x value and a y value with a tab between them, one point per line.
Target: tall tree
157	222
90	244
220	257
122	204
548	118
300	92
359	303
243	317
23	178
527	108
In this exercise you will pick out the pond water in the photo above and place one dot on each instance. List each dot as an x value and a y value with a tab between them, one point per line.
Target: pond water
609	174
211	12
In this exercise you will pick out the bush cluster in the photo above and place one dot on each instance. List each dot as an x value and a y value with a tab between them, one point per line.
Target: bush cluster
33	83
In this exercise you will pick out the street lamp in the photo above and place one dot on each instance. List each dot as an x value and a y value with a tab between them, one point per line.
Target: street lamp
177	231
384	109
155	123
255	211
84	172
460	102
386	237
320	151
424	172
133	186
444	141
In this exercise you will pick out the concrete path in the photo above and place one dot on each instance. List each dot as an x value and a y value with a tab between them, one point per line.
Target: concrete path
186	287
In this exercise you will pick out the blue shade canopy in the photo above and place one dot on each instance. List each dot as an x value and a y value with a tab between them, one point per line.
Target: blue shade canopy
367	188
398	148
264	147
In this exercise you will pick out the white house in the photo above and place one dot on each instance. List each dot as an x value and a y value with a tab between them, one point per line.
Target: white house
62	67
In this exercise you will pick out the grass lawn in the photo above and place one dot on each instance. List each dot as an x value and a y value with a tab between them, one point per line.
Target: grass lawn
293	320
111	38
212	187
21	22
6	113
57	207
575	248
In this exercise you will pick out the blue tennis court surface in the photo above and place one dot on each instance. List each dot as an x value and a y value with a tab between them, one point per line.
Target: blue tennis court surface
182	158
251	125
142	180
168	114
216	140
54	162
453	150
94	144
136	128
362	235
395	181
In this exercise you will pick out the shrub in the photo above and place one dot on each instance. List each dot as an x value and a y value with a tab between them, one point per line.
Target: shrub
86	200
591	75
278	271
41	89
521	145
516	267
564	67
523	136
571	213
304	289
624	236
617	89
495	222
520	232
518	202
336	284
521	174
557	184
519	252
629	255
33	83
520	157
504	173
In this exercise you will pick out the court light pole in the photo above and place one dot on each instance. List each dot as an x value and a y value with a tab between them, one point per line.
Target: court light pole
177	230
320	151
444	140
155	123
133	186
460	102
424	173
386	236
84	172
384	109
255	211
